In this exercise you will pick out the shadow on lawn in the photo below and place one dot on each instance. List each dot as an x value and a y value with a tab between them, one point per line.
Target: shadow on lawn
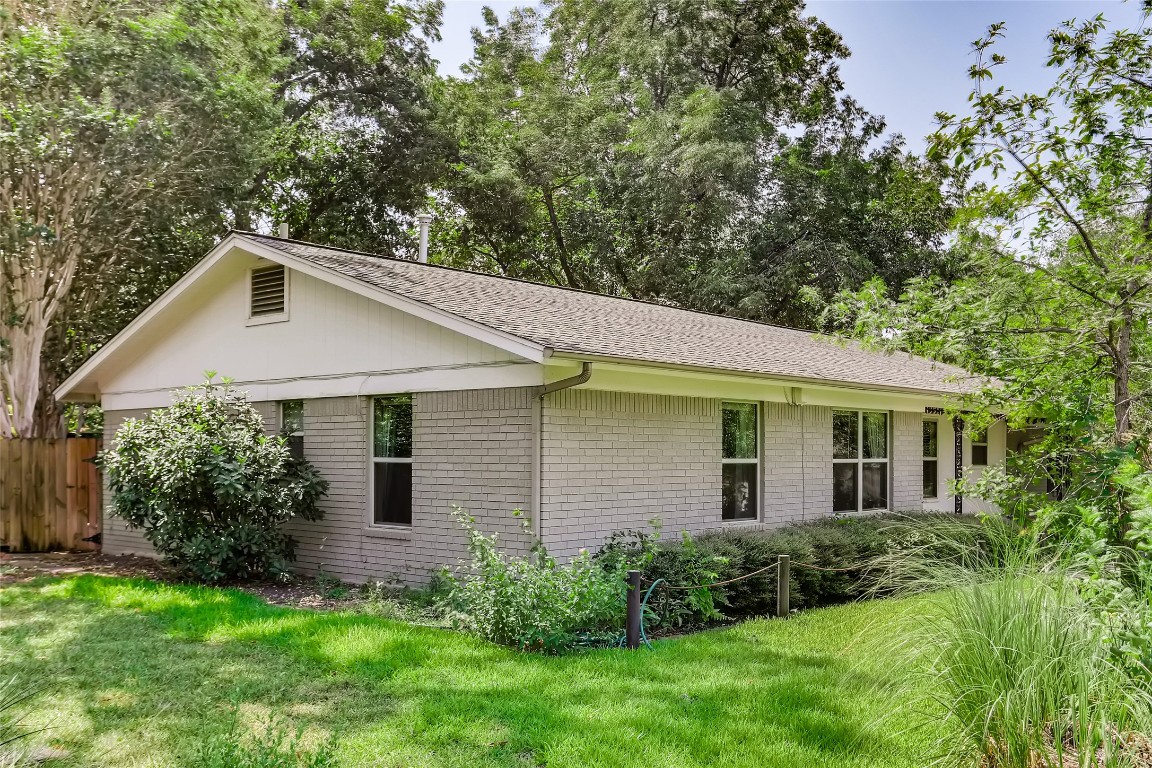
445	698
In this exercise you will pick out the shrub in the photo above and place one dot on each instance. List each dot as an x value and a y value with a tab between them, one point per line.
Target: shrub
533	603
1019	666
836	543
208	488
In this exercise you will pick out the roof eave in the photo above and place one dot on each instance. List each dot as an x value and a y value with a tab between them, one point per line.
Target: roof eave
569	354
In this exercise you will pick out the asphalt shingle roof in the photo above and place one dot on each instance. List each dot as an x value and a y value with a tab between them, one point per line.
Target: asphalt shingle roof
578	322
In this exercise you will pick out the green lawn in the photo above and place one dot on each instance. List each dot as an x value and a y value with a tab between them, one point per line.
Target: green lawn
141	672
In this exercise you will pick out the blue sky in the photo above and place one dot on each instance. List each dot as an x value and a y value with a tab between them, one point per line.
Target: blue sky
909	57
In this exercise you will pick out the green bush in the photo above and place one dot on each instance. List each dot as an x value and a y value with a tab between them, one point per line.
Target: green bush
533	603
834	543
208	488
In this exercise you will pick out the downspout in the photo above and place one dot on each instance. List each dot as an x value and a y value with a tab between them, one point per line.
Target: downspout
538	440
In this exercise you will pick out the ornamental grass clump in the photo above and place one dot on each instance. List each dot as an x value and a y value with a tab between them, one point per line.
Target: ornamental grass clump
1014	652
210	491
534	603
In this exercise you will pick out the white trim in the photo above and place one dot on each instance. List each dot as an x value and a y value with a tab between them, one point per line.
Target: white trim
860	461
756	461
499	339
236	241
373	460
780	379
934	420
495	375
278	317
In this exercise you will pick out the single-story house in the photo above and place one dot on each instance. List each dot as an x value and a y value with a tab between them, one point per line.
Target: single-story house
414	387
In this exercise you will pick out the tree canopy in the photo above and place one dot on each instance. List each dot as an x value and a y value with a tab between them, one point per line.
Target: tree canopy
1057	241
673	151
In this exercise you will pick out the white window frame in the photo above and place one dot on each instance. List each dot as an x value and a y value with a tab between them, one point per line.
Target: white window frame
281	423
972	443
935	458
859	461
373	460
279	317
756	461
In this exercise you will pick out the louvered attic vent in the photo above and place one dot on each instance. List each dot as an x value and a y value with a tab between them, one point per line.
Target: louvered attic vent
267	291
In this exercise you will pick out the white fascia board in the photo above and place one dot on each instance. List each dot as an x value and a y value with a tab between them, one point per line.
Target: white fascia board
528	350
492	376
518	346
670	380
563	359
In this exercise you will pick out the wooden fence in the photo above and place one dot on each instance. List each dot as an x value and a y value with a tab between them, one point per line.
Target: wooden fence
50	494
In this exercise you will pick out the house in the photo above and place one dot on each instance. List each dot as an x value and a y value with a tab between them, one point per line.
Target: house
415	387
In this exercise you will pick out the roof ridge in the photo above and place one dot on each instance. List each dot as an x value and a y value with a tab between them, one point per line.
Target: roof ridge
570	289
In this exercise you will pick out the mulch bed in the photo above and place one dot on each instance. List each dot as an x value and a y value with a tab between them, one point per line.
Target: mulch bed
298	592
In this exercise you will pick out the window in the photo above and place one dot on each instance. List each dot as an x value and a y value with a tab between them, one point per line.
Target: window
392	460
740	460
980	449
267	291
931	459
292	425
859	461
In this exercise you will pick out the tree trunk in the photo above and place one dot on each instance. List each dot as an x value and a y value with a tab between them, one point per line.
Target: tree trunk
1122	376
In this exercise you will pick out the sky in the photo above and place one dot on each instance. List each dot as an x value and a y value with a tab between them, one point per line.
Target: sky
909	57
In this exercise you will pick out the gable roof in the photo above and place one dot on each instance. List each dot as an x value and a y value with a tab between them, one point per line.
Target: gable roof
581	324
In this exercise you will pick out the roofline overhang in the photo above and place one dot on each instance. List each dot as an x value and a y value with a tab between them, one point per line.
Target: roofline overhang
235	240
768	378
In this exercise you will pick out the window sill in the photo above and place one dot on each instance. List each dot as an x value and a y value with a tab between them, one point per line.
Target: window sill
749	523
266	319
402	532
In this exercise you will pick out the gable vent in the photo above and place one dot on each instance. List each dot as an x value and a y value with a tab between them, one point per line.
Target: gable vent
267	291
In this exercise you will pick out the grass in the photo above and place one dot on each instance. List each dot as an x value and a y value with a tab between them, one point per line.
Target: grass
142	673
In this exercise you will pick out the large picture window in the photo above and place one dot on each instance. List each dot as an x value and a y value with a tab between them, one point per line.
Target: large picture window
392	460
859	461
740	459
931	459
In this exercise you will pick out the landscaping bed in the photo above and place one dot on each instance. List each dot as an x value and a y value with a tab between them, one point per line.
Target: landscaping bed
295	592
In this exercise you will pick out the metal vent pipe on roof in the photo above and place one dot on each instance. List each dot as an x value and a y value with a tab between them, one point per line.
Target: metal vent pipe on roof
425	219
284	230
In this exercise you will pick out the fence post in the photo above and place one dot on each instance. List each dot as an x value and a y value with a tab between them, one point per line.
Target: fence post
783	572
632	634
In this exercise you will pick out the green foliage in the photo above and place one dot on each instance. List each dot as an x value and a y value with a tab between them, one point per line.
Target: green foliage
209	490
852	542
356	148
1035	656
127	129
533	603
1020	666
275	747
15	696
696	152
1053	312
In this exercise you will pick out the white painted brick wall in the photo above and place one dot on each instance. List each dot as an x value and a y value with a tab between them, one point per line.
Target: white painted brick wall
118	538
471	448
907	461
615	460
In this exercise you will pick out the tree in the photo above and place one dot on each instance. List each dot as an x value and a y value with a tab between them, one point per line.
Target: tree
1058	243
115	117
357	146
209	489
314	113
653	149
